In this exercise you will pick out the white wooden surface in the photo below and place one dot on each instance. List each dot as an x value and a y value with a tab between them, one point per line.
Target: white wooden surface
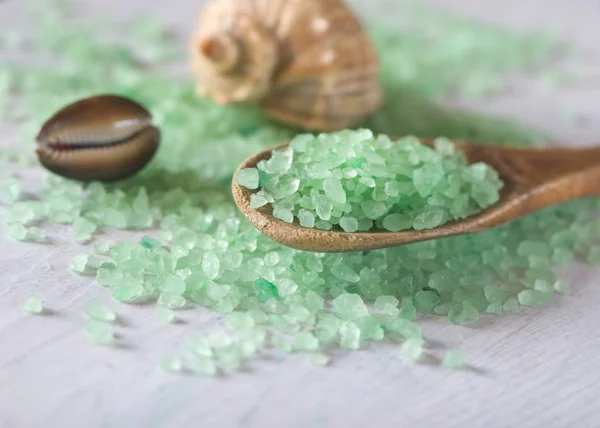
536	369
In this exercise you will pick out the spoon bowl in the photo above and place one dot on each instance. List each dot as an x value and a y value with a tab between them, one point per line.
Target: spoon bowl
533	179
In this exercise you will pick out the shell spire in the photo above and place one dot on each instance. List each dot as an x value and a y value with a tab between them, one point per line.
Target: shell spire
234	56
223	51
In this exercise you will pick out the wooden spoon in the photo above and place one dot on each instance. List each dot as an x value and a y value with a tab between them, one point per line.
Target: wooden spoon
533	179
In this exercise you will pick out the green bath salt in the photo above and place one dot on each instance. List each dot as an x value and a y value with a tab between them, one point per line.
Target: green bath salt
358	181
33	305
171	237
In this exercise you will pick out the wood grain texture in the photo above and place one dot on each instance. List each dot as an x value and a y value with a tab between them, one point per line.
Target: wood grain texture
538	369
534	179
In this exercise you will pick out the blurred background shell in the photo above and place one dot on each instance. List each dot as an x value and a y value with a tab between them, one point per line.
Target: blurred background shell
306	63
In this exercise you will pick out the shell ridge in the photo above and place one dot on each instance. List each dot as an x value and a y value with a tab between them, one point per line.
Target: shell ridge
120	126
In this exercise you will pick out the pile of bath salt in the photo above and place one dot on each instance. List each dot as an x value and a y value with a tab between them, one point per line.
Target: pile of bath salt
199	252
357	181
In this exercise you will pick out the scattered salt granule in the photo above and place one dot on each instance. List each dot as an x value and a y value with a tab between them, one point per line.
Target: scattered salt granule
454	359
199	251
318	359
11	189
412	349
33	305
305	341
83	229
78	263
350	306
534	297
350	335
17	231
100	312
165	315
35	234
205	366
100	332
171	364
101	248
562	286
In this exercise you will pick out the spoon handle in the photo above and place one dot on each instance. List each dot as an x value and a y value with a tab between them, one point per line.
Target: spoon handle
542	166
544	177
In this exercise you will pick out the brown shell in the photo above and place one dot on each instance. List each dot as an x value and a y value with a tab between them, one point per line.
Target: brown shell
307	63
103	138
99	119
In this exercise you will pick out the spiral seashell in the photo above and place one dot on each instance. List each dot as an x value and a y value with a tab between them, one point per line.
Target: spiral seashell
306	63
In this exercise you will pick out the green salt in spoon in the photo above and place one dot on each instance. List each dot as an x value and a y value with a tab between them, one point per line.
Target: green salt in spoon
533	179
